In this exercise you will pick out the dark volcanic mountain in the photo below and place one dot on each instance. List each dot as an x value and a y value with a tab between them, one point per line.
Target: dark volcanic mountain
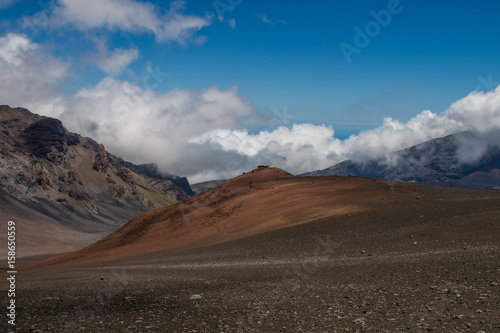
435	162
65	191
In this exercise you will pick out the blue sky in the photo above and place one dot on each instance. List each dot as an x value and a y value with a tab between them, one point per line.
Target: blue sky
282	60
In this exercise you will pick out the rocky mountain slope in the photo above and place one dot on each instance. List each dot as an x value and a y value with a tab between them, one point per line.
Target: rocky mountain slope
51	179
435	162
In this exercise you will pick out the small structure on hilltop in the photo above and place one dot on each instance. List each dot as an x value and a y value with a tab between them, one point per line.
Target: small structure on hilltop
262	167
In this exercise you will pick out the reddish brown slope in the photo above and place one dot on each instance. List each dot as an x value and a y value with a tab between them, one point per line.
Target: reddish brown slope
263	200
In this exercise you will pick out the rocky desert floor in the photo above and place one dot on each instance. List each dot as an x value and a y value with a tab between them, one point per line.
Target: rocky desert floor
424	260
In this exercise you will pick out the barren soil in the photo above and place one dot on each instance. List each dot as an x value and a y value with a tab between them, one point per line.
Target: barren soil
400	257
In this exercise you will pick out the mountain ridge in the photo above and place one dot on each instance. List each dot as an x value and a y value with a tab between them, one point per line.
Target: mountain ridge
71	181
435	162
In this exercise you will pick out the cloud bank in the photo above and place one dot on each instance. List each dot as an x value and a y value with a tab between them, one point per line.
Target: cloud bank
141	126
202	135
306	147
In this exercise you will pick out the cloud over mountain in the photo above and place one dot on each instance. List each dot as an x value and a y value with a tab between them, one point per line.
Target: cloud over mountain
201	133
304	147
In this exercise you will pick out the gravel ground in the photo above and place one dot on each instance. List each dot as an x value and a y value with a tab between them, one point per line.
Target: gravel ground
423	264
442	292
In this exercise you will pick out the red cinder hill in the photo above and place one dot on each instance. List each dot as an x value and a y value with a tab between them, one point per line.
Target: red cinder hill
261	201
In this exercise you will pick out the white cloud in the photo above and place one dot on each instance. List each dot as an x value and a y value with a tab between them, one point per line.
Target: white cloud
394	135
305	147
232	23
302	144
132	121
142	126
180	27
115	62
13	47
30	75
201	134
131	16
479	112
264	19
126	15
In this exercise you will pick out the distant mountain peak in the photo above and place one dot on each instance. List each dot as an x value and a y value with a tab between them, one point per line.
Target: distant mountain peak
442	161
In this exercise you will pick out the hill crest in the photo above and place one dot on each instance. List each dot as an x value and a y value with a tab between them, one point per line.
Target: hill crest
260	201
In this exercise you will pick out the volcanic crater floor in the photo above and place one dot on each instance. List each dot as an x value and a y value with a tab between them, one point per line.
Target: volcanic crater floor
422	259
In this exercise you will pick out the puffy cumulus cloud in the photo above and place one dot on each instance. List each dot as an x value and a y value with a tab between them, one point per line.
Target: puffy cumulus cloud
131	16
111	62
200	134
13	47
394	135
305	147
30	75
479	112
114	63
179	27
133	122
301	147
126	15
143	126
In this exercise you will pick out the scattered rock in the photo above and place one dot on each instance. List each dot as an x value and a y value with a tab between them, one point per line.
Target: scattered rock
359	321
195	296
101	162
128	299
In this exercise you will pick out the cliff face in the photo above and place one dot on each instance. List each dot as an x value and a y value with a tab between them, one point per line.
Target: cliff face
72	180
